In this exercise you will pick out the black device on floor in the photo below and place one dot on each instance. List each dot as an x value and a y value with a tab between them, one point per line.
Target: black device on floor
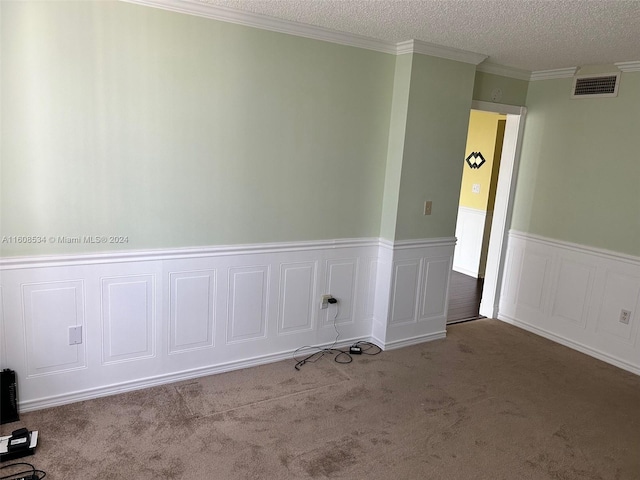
8	397
19	441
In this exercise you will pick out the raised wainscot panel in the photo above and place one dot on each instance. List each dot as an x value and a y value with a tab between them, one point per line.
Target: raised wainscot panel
621	292
297	292
570	297
49	310
340	282
435	288
404	292
532	280
128	318
192	318
370	301
248	293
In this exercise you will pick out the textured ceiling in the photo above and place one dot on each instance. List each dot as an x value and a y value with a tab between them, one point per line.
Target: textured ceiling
526	34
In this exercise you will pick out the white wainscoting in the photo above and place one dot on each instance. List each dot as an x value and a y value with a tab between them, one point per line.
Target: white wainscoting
574	295
155	317
416	276
470	231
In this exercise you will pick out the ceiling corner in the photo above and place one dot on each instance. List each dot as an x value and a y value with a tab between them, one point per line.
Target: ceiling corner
504	71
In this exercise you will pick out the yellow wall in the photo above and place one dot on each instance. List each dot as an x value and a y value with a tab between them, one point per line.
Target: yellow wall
484	129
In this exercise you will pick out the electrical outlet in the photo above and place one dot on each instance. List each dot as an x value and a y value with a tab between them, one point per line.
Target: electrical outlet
427	207
325	301
475	188
625	316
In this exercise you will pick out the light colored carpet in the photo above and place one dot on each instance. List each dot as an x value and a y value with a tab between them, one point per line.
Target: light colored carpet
207	396
489	402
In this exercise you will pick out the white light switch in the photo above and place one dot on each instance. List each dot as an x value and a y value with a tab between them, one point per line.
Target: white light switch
475	188
75	335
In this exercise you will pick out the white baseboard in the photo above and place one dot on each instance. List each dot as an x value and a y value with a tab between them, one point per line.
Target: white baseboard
600	355
415	340
160	316
123	387
575	295
150	318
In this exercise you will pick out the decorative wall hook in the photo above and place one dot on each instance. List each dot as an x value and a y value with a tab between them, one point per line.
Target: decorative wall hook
475	163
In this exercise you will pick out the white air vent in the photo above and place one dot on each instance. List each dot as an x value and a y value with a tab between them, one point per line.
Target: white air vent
593	86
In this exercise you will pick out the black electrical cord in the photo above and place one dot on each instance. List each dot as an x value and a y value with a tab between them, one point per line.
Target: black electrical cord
341	355
33	474
321	352
315	356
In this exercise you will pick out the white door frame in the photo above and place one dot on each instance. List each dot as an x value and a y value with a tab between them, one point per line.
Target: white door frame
503	208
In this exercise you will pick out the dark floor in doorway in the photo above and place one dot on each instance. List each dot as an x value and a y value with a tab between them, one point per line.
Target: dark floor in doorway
465	293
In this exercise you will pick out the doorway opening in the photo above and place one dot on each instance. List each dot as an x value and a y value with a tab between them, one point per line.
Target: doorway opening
484	214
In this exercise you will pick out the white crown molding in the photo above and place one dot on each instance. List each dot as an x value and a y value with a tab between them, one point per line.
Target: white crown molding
504	71
433	50
229	15
628	66
556	73
572	71
264	22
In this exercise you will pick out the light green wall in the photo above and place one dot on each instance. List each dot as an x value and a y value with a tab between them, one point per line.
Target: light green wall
579	172
514	91
177	131
437	122
397	132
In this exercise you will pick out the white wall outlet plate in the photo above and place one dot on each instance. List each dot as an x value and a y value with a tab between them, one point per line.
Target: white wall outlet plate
325	301
75	335
625	316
